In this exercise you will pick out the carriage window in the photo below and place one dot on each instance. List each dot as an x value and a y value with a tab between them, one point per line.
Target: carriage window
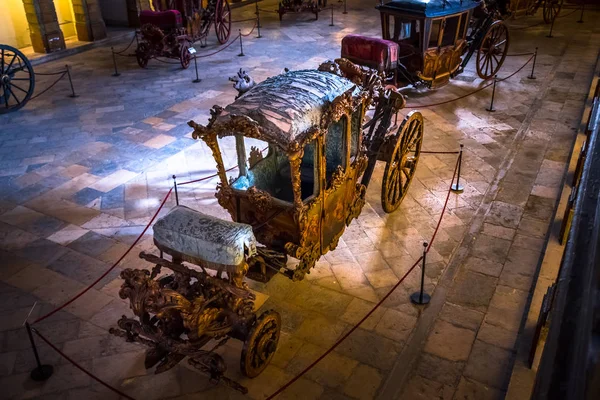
309	182
450	28
402	29
335	148
355	133
435	32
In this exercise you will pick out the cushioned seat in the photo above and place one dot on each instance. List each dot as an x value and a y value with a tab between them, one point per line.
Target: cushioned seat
165	20
204	237
372	52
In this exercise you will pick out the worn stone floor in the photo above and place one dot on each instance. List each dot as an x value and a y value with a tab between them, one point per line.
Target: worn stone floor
80	178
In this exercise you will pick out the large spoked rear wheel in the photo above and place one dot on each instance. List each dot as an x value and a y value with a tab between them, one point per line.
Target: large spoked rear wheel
551	9
223	21
17	79
492	51
402	162
261	344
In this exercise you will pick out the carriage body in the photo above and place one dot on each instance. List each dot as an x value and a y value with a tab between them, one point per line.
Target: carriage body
174	25
294	199
431	41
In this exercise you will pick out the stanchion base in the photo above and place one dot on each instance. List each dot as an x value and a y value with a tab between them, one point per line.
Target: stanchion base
415	298
73	96
117	74
580	22
531	77
490	110
197	80
549	36
457	188
42	373
241	55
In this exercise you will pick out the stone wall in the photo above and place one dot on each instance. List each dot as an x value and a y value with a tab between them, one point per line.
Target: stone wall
45	33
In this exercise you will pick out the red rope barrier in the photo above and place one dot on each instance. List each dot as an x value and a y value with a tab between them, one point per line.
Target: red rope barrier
440	152
517	71
79	367
49	87
220	50
84	291
243	20
519	54
249	33
345	336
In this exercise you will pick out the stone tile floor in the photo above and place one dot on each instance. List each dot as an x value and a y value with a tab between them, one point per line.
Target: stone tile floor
80	178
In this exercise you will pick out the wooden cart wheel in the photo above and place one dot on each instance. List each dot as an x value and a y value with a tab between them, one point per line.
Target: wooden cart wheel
222	21
261	344
142	54
17	79
492	51
551	9
402	162
185	57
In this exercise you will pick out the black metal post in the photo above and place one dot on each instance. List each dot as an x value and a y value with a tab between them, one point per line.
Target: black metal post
421	297
551	27
258	19
457	187
345	9
70	82
533	66
491	109
41	372
176	192
582	8
331	24
196	67
241	44
114	62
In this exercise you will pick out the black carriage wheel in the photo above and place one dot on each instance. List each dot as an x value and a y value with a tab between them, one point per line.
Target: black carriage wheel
492	51
17	79
184	56
142	54
551	9
223	21
402	162
260	344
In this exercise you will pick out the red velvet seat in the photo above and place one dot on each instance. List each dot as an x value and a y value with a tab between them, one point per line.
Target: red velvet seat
165	20
372	52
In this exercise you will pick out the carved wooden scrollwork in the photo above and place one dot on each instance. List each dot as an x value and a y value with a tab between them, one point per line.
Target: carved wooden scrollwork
260	199
255	156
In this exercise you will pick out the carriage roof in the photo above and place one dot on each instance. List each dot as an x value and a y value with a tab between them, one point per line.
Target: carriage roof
428	8
285	108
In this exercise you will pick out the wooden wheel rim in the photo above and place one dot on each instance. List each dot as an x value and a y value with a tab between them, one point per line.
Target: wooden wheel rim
261	344
402	163
141	54
185	57
551	9
17	79
223	21
492	51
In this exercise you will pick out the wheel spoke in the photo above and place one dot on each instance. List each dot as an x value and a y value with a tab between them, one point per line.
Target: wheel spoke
500	43
14	95
17	87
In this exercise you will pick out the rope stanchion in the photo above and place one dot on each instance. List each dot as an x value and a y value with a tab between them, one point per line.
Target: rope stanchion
71	82
84	291
241	44
533	66
580	21
42	371
79	367
420	297
331	24
388	294
491	108
457	187
114	63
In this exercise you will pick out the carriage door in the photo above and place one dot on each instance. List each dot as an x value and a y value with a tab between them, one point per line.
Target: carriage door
335	206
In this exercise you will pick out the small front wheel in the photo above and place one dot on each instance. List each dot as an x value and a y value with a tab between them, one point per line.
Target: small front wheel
260	344
185	57
142	54
402	161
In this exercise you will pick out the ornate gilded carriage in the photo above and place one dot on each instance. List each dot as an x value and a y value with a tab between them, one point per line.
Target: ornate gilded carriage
295	199
431	41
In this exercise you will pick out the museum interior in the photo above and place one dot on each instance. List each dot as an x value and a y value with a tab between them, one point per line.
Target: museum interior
299	199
